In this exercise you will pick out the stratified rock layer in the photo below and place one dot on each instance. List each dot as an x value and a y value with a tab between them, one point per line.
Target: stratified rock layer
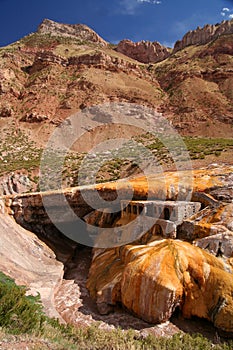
78	31
143	51
212	229
201	36
153	280
208	222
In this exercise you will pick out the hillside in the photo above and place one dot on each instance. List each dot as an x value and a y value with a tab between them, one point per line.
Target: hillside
61	69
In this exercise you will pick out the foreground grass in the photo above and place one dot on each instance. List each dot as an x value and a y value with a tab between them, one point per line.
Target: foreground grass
22	321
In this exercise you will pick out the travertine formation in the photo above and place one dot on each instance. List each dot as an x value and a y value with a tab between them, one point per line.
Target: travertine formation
152	280
212	229
150	276
28	208
143	51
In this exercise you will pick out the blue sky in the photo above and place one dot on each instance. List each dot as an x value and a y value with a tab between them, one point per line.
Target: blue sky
164	20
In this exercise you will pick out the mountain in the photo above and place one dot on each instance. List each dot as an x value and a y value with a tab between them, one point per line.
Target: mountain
80	31
60	69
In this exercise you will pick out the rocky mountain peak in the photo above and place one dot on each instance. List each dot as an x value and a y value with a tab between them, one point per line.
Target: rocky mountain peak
143	51
78	31
201	36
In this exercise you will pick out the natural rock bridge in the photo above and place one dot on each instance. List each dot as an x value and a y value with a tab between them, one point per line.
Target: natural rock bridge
153	275
69	210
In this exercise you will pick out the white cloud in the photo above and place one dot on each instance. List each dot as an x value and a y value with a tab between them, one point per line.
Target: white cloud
226	12
154	2
129	6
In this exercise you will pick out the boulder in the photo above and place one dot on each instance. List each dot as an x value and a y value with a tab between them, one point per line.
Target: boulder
153	280
6	111
34	117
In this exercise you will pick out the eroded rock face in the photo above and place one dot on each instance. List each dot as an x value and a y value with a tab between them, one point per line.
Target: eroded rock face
15	183
153	280
143	51
98	60
204	35
6	111
46	57
220	244
209	222
28	209
30	262
79	31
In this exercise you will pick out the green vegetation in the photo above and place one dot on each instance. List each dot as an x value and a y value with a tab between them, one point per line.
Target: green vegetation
18	313
22	315
17	152
38	40
197	147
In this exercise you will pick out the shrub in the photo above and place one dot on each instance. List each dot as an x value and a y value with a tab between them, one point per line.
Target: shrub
19	313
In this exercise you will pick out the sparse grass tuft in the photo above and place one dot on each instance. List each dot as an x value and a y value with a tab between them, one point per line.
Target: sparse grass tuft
22	315
19	313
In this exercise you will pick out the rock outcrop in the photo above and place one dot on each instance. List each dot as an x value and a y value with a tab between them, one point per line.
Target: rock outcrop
15	183
153	280
78	31
28	208
220	244
30	262
102	60
46	57
201	36
152	52
34	117
95	59
152	276
211	229
143	51
6	111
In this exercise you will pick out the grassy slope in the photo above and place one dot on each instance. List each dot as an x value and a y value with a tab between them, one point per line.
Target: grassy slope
22	316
